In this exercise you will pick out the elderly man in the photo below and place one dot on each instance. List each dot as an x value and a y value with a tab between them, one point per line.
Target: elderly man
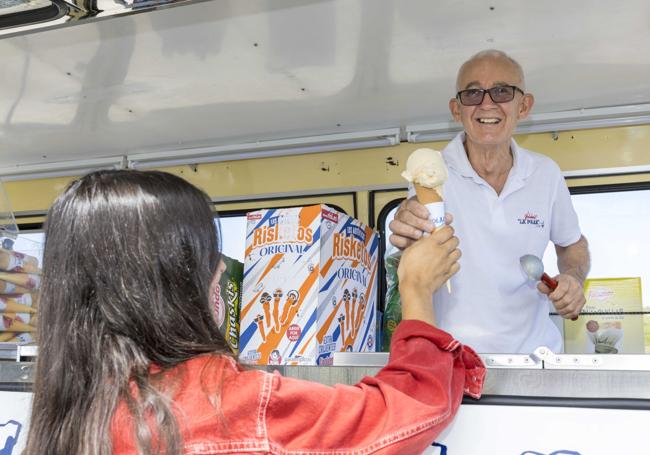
506	202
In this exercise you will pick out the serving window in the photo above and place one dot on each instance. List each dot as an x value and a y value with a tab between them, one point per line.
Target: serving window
615	221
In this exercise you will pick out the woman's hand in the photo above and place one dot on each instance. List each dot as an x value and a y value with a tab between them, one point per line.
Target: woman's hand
424	267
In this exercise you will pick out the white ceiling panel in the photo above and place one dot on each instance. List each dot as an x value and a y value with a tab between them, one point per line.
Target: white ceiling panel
228	72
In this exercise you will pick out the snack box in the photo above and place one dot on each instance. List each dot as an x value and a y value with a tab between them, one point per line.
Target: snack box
228	301
310	286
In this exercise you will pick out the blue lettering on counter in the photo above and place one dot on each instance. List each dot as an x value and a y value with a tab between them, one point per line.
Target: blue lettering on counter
443	448
557	452
9	432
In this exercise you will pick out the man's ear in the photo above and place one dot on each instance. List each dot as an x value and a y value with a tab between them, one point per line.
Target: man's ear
525	106
454	108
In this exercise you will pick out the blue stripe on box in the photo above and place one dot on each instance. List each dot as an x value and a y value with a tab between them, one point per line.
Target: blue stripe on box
305	330
246	336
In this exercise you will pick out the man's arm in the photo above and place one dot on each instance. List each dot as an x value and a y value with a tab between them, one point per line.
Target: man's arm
573	261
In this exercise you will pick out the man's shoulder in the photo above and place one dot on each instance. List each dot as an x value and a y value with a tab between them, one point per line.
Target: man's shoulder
454	147
539	161
454	154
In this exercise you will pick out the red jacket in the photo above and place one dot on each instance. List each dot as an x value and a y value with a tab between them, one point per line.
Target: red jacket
401	410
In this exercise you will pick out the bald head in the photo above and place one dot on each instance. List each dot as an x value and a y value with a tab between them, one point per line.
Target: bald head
491	55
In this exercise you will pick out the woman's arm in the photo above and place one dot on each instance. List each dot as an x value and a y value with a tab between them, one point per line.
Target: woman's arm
410	401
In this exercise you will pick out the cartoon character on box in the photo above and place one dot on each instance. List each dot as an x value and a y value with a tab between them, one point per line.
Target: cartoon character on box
275	358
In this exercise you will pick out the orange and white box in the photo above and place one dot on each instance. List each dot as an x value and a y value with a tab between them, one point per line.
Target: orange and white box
310	286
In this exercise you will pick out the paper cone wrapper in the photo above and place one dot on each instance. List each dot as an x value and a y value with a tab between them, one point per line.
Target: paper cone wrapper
431	199
24	280
426	195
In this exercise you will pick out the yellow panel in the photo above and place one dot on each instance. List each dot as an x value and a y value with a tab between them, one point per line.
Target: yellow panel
298	174
611	180
593	149
366	168
344	201
29	220
35	195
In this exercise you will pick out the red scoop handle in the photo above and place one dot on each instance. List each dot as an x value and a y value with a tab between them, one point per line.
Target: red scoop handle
548	281
551	283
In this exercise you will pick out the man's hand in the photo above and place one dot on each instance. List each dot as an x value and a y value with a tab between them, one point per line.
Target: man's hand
573	263
568	298
410	222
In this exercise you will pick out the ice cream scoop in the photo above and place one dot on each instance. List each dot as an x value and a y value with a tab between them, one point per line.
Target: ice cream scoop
427	171
534	269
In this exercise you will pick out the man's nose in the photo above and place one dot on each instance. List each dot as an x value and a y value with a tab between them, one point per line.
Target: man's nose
487	100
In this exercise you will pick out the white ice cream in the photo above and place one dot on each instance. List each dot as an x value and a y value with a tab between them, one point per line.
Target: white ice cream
426	167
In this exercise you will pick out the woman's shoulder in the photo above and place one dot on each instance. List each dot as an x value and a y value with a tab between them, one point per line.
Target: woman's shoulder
236	390
222	367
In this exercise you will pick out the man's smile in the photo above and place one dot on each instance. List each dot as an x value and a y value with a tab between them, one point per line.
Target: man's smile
488	120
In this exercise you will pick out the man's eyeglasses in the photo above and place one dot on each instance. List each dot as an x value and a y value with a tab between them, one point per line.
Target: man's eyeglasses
498	94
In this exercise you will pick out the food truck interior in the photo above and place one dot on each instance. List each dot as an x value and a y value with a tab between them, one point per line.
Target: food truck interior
281	103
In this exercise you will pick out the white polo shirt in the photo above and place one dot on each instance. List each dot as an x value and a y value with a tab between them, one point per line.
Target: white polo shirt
493	307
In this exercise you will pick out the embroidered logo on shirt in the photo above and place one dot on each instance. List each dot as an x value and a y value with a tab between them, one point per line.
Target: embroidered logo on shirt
531	219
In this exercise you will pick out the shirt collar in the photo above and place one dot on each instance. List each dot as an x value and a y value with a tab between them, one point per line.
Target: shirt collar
457	160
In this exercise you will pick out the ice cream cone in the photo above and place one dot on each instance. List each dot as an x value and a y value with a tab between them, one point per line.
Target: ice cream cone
360	314
259	320
24	280
265	300
292	299
14	261
8	305
427	195
276	309
427	172
11	288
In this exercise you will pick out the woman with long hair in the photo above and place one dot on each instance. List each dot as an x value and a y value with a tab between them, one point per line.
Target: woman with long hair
131	359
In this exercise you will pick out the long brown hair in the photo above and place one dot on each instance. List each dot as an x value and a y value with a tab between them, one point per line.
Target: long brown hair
128	260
